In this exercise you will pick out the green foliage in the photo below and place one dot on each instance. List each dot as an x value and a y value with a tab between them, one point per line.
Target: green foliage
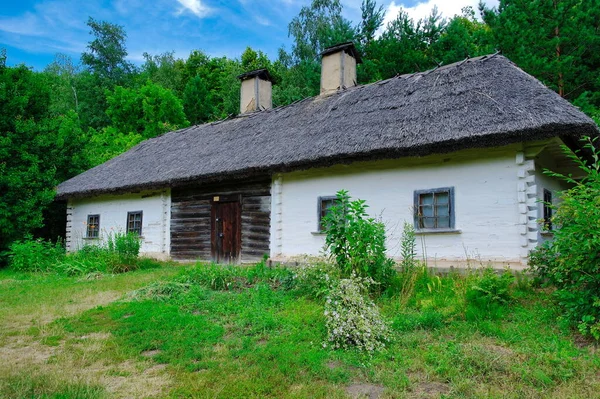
408	246
263	341
118	255
38	255
314	279
149	111
38	150
352	319
571	261
489	291
107	52
164	70
356	242
231	277
197	101
556	41
318	26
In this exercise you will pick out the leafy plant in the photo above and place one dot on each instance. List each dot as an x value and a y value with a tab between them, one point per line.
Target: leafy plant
356	241
571	261
489	291
352	319
408	246
38	255
409	270
315	278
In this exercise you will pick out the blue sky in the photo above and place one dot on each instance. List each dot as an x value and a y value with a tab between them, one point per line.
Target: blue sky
33	31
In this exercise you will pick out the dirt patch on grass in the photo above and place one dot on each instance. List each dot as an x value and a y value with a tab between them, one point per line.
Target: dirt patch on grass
364	391
430	390
81	359
334	364
19	350
151	353
499	350
134	383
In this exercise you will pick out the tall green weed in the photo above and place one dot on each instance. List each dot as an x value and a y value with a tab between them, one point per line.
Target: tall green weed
35	255
356	242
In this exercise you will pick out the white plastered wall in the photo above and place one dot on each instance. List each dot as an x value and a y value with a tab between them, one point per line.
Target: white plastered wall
156	208
486	205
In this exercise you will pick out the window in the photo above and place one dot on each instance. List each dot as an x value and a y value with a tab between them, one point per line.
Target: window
134	222
434	209
547	209
324	205
93	226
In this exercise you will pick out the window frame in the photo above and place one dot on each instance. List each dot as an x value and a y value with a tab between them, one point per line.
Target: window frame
451	206
128	229
96	229
547	198
320	215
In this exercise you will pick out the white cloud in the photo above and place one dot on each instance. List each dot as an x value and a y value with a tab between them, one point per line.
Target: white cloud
28	25
448	8
195	7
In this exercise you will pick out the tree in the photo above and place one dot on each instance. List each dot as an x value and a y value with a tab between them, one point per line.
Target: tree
148	111
197	101
372	20
62	77
318	26
107	52
38	150
165	70
556	41
464	36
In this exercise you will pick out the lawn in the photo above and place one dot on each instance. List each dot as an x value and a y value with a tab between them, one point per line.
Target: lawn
204	331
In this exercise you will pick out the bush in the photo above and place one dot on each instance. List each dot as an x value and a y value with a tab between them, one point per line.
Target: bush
37	255
571	261
353	320
314	279
490	290
356	242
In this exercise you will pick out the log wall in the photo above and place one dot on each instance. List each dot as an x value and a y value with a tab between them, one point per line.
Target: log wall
191	219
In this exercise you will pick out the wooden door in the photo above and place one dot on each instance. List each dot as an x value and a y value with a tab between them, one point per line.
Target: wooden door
226	238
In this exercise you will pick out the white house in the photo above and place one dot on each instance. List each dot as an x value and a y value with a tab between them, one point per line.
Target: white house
458	151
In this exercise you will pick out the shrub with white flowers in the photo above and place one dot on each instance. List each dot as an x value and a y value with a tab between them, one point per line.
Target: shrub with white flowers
352	319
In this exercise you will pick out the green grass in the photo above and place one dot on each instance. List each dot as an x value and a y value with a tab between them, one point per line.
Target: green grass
227	333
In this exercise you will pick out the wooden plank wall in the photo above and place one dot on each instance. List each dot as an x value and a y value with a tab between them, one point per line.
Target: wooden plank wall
191	223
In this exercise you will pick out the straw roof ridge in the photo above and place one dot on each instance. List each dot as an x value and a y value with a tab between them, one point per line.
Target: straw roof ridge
476	103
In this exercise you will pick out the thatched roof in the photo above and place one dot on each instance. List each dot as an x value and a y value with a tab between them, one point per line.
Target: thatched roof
481	102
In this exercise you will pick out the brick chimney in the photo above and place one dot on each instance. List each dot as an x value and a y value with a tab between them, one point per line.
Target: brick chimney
338	67
256	91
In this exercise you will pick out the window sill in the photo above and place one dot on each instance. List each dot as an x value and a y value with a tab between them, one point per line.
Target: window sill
318	233
547	233
91	238
437	231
